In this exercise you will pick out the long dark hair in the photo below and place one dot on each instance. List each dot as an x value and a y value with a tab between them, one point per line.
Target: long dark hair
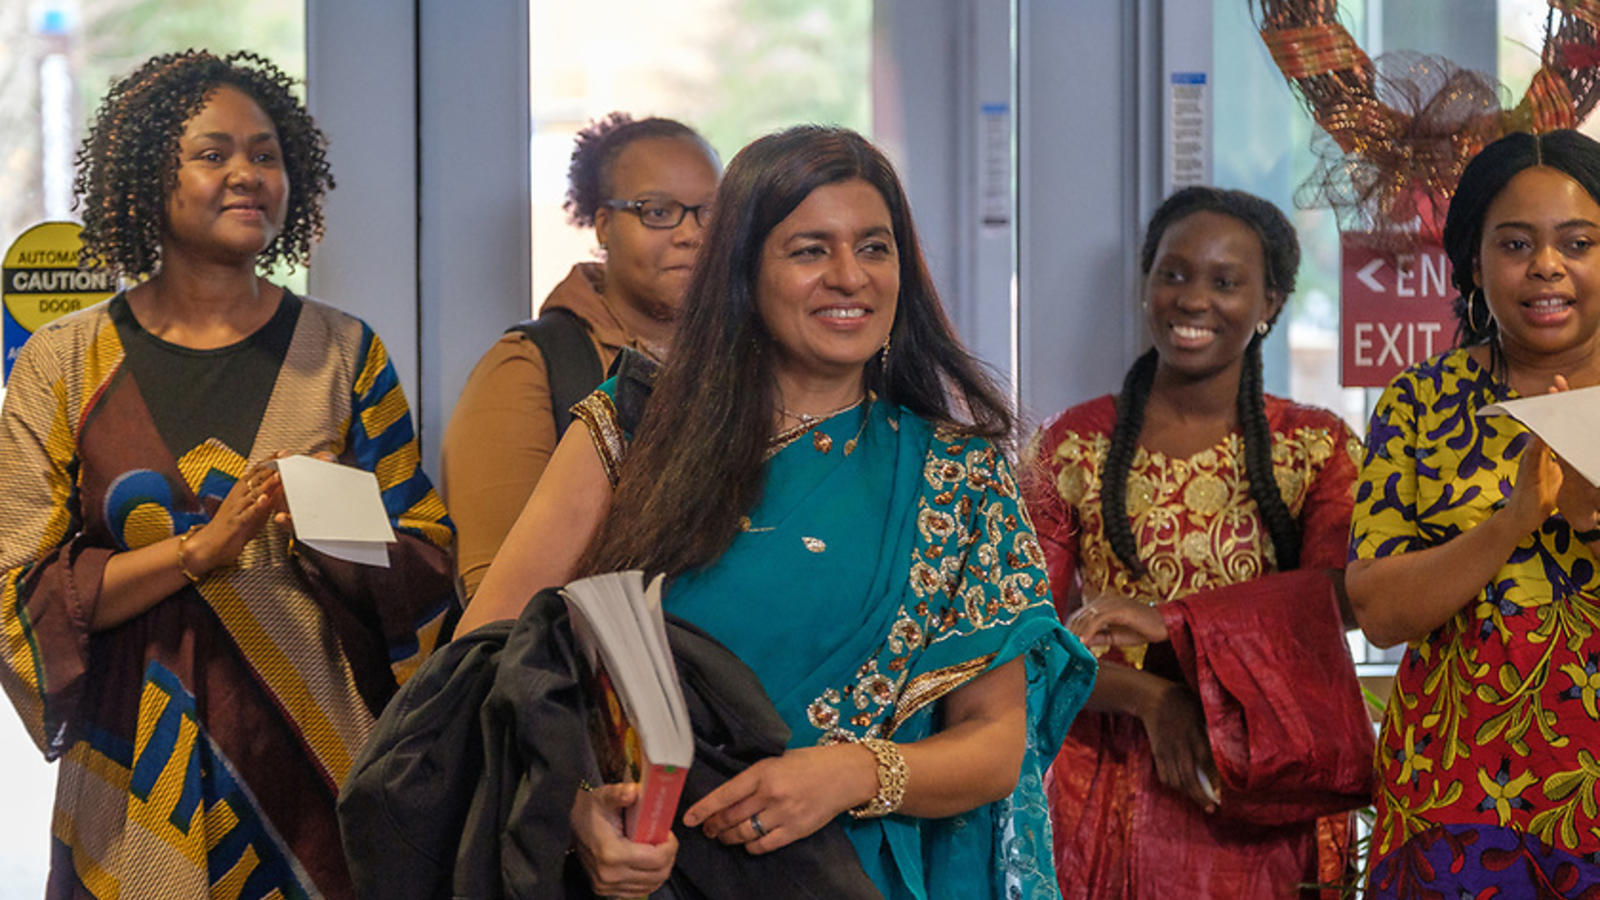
1569	152
696	464
129	161
1280	250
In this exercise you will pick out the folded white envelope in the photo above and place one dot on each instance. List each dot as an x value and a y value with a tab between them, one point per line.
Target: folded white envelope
337	510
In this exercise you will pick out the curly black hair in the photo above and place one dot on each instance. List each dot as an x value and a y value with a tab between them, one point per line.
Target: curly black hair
1280	250
596	149
129	161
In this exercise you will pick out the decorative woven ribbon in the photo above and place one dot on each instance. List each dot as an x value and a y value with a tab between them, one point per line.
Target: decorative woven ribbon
1587	10
1314	50
1401	128
1546	107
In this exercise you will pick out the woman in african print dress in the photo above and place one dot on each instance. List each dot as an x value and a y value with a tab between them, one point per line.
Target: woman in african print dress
1475	546
202	681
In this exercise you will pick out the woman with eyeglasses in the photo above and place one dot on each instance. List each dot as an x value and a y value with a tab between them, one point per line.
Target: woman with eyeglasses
645	186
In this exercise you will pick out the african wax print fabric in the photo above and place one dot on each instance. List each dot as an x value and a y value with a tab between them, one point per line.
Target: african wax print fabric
1487	768
200	744
1118	832
887	564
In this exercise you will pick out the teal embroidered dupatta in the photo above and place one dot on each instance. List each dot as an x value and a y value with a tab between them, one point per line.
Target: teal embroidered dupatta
868	584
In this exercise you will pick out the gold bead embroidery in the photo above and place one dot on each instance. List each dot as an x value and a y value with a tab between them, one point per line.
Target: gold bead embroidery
821	441
815	545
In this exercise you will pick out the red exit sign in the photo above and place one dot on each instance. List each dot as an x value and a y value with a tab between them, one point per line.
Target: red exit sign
1395	310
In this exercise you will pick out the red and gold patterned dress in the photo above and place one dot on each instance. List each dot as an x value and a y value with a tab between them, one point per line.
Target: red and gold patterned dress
1245	637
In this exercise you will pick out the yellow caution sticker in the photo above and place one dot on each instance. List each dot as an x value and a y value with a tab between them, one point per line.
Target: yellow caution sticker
42	280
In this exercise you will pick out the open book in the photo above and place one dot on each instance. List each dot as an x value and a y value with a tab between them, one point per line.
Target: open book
1568	421
638	723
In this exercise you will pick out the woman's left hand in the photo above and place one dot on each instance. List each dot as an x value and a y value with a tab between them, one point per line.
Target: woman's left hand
1117	622
1577	500
784	798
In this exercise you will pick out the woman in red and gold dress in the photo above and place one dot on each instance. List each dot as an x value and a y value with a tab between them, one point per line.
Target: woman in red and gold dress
1195	530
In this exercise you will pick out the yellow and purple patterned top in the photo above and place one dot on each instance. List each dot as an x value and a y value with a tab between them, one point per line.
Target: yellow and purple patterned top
1493	723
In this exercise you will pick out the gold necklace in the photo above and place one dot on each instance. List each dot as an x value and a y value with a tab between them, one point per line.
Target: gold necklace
809	419
808	424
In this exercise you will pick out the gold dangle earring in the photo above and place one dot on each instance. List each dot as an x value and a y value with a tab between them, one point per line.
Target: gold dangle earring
883	354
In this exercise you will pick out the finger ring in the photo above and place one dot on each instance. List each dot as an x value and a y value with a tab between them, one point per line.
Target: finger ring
755	822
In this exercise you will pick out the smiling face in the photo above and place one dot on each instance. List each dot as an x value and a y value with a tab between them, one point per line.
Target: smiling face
648	268
232	192
1538	266
829	282
1205	294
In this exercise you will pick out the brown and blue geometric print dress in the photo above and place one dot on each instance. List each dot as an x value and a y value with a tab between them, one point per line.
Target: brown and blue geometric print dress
201	744
1489	759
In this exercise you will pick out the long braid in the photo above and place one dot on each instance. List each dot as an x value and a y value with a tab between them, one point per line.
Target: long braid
1264	490
1119	459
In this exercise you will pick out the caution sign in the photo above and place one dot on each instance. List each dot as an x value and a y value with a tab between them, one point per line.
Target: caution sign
43	281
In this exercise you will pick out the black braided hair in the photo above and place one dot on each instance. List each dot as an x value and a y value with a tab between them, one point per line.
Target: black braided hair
596	149
1280	251
1570	152
1285	531
129	161
1119	459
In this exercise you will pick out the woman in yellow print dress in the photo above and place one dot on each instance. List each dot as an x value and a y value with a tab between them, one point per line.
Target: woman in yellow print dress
1475	546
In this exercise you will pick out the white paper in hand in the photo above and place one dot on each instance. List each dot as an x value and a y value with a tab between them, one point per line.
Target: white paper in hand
337	510
1569	421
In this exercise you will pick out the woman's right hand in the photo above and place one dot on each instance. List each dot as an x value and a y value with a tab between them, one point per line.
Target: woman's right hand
242	515
1176	727
617	867
1113	621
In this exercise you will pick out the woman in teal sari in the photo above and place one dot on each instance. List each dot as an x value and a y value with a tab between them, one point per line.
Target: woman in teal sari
821	471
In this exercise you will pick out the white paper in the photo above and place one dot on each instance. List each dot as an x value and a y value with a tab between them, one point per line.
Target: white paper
1569	421
337	510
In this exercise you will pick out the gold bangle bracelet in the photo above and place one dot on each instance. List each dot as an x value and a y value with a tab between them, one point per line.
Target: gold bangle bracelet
892	778
193	578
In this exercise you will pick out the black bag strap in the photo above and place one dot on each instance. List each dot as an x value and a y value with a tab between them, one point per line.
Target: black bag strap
570	360
636	379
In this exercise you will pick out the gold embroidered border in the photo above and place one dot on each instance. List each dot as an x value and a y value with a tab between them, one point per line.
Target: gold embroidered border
925	689
784	438
599	412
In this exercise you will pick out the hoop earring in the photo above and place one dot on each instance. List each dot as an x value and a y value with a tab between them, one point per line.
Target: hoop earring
1472	308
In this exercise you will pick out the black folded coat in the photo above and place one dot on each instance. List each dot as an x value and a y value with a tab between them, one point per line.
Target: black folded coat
464	789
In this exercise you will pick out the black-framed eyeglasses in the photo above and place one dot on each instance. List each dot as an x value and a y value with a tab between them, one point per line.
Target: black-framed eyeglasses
663	214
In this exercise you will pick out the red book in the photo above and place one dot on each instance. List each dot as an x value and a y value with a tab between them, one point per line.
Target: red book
638	723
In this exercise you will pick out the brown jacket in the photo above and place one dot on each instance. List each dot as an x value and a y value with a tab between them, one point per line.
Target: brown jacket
502	433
